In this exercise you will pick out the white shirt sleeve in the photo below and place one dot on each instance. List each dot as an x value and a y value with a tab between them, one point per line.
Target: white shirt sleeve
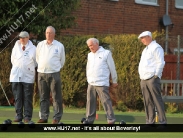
37	53
112	68
62	60
159	56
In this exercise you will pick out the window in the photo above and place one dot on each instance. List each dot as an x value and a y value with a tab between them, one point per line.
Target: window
175	51
179	4
147	2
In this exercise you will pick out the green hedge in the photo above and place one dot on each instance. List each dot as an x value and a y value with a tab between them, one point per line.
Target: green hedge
5	67
126	51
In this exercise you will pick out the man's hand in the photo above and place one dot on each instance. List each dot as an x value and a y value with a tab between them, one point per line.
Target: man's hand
114	85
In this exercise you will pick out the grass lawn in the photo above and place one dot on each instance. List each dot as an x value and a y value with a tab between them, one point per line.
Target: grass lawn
73	116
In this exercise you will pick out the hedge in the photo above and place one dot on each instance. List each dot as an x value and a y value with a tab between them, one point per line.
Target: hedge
126	50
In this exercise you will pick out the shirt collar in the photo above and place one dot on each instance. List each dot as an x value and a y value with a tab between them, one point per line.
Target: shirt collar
24	45
52	43
152	42
100	49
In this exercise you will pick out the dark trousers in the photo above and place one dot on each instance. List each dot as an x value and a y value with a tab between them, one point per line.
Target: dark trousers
50	82
23	95
151	90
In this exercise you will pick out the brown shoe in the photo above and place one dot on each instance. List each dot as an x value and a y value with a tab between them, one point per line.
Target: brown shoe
55	122
111	122
42	121
17	120
26	120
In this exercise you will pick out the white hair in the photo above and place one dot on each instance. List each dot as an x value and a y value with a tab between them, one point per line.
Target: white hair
94	40
51	27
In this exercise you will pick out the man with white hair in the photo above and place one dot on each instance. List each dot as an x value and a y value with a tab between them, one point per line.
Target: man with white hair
50	56
22	76
150	70
100	67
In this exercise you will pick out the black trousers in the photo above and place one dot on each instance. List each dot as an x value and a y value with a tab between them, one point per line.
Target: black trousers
23	95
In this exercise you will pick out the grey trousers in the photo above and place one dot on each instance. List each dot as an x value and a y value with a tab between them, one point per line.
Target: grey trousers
23	95
103	92
50	82
151	90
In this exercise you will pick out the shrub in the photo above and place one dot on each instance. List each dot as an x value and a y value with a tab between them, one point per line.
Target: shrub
121	106
171	107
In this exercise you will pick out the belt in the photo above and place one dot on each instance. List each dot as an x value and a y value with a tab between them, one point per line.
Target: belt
149	78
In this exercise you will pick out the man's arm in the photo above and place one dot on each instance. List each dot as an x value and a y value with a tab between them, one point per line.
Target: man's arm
159	57
112	69
62	56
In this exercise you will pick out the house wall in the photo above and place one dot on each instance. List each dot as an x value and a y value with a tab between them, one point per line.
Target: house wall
123	17
171	68
127	17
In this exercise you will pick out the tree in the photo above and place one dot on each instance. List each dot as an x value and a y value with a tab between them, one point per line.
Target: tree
34	16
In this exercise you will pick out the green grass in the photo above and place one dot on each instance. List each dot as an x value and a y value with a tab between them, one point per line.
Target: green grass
130	117
83	110
8	112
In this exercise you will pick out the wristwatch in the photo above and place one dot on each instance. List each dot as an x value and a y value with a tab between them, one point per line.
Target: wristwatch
155	76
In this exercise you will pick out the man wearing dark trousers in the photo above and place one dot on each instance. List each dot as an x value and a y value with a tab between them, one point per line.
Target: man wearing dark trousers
22	76
50	56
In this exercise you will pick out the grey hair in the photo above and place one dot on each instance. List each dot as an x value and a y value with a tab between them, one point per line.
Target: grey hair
51	27
94	40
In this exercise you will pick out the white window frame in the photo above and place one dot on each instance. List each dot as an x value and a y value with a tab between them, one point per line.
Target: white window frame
147	3
178	6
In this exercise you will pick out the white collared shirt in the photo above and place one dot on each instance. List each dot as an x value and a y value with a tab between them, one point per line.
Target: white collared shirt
152	61
50	58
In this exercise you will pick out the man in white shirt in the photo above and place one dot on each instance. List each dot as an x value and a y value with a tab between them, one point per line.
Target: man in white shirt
50	56
150	70
100	66
22	76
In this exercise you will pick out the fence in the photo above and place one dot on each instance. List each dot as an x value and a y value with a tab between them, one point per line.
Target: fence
172	77
173	69
172	90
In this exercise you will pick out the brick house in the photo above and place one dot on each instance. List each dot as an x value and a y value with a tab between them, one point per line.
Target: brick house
132	17
126	17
